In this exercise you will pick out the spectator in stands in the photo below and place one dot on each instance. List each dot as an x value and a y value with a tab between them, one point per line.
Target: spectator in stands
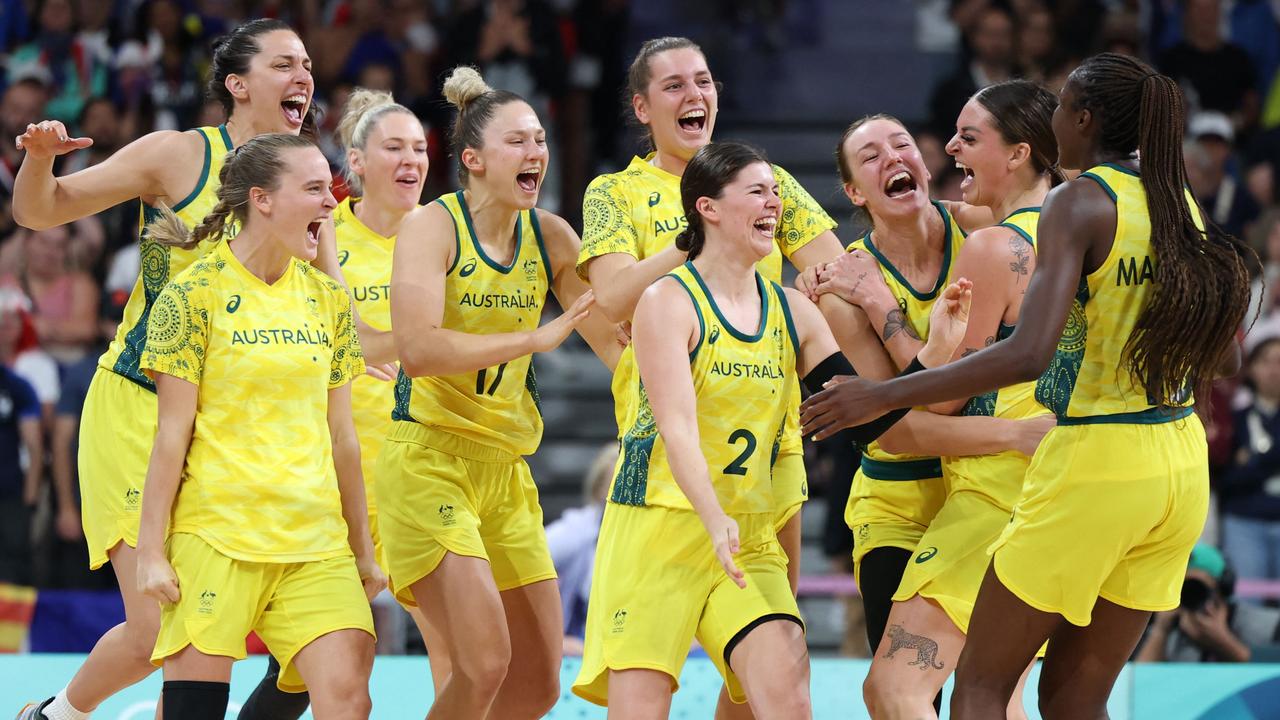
1209	626
1215	74
1208	156
1264	296
22	104
20	438
26	358
60	58
1250	486
517	46
64	298
572	539
1036	43
177	62
992	44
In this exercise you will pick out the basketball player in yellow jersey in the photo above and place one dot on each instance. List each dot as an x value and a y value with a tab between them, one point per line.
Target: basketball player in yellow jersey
386	169
631	219
1006	145
898	488
1123	479
688	546
261	74
246	526
459	517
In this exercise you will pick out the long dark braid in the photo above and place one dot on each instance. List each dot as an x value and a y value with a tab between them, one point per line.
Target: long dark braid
1201	291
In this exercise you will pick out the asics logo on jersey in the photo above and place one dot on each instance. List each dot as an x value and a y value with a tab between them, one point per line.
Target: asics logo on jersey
343	255
468	268
926	555
715	335
233	304
654	199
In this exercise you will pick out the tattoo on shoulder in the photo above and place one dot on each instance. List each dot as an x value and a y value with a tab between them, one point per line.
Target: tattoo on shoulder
991	340
926	648
1021	254
895	321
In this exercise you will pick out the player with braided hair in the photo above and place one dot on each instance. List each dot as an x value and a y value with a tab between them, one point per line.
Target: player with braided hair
1135	301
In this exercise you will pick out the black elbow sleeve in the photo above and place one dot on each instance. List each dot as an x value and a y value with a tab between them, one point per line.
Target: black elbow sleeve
865	434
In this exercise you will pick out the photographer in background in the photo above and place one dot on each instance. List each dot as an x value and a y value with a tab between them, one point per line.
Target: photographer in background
1209	626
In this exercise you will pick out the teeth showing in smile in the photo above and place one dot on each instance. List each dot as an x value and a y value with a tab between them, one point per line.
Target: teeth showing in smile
900	184
294	106
968	171
693	119
766	225
528	179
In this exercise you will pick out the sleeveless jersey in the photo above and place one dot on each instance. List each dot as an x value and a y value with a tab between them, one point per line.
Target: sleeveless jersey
1088	379
876	463
1016	401
1001	481
258	483
161	263
365	258
743	384
496	406
638	212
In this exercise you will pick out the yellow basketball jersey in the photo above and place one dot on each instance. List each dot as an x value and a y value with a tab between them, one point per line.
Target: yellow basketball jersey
497	406
638	212
1088	379
365	258
1001	480
916	306
743	384
259	482
161	263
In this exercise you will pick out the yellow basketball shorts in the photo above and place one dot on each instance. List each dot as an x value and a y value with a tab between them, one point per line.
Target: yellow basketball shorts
892	503
790	487
288	604
1110	511
658	585
952	556
443	493
117	430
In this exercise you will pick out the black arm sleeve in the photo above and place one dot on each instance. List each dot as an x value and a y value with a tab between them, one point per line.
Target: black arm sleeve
838	364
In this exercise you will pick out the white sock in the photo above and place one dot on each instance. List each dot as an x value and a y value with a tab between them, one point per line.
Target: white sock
62	709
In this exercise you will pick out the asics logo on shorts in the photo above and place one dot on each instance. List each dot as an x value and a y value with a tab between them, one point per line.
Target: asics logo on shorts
926	555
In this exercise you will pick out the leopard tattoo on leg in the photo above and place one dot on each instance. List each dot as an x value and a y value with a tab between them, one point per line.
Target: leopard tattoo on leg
926	649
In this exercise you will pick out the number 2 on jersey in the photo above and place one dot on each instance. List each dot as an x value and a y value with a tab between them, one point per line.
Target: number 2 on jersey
480	388
739	466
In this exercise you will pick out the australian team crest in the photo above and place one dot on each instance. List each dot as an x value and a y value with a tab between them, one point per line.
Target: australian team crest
530	269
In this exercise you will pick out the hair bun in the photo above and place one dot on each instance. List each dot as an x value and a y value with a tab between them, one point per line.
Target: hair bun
463	86
360	103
